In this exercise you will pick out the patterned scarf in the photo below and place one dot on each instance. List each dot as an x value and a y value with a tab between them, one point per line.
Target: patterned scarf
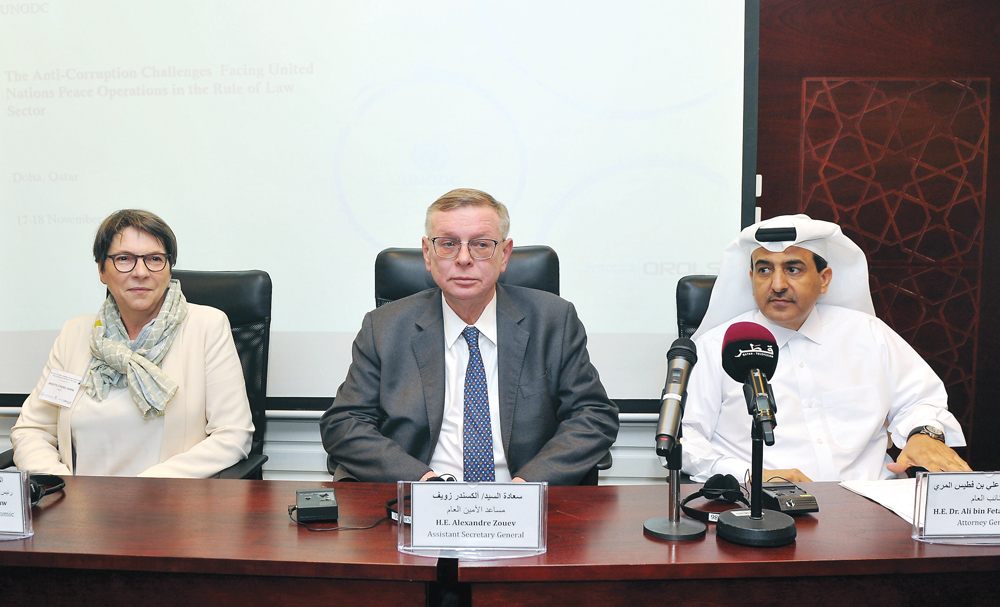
118	363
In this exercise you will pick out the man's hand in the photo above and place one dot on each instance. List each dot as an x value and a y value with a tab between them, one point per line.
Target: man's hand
931	454
430	474
792	475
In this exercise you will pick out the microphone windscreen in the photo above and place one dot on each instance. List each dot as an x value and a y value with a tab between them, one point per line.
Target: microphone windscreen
746	346
683	348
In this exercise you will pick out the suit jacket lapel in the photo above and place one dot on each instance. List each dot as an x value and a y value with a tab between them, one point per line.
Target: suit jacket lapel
428	350
513	343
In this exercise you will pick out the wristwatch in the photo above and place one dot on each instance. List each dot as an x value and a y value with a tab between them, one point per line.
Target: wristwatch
930	431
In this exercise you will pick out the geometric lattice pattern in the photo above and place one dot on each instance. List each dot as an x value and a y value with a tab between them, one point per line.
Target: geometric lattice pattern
900	165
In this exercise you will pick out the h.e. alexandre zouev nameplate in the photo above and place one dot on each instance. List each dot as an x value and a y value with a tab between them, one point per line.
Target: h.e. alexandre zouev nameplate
474	516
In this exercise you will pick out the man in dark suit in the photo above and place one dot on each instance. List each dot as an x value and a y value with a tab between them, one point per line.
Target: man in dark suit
417	393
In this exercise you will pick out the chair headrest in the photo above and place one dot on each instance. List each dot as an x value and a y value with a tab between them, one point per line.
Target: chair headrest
244	295
401	272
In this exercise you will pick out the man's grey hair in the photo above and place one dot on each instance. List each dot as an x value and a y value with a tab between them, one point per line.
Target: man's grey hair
466	197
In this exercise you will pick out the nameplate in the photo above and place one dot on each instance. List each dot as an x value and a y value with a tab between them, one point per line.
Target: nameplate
60	388
477	520
957	507
15	505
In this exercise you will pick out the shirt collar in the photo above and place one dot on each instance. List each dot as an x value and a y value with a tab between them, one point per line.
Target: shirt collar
453	325
811	329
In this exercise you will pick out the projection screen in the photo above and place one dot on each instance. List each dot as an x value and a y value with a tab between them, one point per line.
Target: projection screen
302	137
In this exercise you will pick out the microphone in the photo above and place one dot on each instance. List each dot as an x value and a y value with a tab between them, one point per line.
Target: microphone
681	358
750	356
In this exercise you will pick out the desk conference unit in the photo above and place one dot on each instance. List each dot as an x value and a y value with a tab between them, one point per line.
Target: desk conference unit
118	541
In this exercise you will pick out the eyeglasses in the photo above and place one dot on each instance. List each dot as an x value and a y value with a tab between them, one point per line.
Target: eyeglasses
125	262
480	248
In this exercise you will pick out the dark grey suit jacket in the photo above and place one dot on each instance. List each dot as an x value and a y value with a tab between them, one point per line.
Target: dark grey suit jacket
556	419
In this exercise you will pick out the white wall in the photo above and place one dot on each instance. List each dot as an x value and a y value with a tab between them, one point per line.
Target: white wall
295	452
8	415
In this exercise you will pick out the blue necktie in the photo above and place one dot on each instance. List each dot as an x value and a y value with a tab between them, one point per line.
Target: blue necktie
477	447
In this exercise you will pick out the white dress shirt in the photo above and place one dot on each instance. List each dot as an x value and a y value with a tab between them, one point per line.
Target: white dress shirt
447	456
844	382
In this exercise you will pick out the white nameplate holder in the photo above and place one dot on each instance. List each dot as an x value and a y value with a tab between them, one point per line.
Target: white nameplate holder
15	505
473	520
957	508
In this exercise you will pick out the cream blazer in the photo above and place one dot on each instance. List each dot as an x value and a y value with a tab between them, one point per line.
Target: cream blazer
207	425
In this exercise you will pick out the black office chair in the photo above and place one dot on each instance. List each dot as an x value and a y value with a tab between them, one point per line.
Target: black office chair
693	294
245	297
402	272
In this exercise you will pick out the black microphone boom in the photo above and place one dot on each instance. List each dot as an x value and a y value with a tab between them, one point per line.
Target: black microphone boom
760	402
680	360
750	356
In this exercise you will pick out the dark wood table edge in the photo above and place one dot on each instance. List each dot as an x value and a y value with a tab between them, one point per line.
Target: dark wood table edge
479	571
423	572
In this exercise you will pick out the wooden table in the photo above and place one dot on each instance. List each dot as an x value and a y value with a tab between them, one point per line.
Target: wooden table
152	542
853	552
111	541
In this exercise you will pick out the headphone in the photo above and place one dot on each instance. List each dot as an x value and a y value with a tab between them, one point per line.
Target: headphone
720	487
44	484
392	511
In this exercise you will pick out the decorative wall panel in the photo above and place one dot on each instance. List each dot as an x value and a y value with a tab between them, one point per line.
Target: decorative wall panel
901	166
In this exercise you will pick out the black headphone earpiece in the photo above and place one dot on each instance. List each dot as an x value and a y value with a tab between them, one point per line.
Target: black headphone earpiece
720	487
44	484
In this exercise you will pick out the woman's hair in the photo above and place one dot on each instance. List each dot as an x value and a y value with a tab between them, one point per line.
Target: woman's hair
466	197
144	221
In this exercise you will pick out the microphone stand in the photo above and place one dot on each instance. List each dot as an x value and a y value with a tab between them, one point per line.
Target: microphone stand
762	528
672	526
